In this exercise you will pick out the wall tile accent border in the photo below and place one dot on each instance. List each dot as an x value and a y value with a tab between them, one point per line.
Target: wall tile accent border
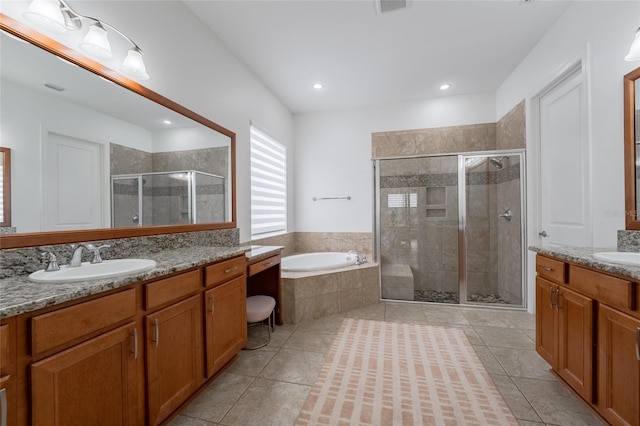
309	242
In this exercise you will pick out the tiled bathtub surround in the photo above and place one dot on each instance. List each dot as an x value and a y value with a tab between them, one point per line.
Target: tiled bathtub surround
23	261
310	242
308	296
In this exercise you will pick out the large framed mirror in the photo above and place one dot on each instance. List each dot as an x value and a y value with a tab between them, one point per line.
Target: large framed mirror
631	151
98	156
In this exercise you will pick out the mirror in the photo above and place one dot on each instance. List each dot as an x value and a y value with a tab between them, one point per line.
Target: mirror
79	132
631	151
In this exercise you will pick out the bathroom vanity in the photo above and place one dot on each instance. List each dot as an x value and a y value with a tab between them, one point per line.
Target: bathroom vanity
588	328
129	350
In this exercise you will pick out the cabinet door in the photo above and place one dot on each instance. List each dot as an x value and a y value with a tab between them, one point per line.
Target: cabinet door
174	356
618	367
90	383
575	362
546	321
5	394
226	322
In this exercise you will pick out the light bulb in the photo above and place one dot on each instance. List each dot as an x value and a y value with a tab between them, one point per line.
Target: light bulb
96	43
133	65
634	51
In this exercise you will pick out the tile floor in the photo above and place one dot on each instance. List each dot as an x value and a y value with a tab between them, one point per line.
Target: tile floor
268	386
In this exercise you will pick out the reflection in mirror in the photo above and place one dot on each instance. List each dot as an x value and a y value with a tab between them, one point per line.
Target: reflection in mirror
5	189
72	131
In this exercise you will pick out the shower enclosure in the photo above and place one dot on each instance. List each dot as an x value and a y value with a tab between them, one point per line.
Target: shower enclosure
450	229
167	198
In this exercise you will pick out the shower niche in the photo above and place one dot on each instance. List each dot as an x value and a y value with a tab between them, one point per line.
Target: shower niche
167	198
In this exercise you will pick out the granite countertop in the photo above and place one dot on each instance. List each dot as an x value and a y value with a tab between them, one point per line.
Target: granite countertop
19	295
584	256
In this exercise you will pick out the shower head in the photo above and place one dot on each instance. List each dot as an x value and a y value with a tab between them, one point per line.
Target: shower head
497	162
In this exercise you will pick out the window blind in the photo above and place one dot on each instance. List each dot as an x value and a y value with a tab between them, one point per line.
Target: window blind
268	184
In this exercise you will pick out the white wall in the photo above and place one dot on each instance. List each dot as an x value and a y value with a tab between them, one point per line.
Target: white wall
189	65
601	33
333	155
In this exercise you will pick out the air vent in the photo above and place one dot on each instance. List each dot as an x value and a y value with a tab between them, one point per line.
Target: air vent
384	6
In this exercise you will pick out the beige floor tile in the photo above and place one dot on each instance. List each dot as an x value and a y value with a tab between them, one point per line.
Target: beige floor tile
505	337
444	316
520	407
489	361
522	363
521	319
325	325
313	342
555	403
529	423
268	403
278	338
487	317
181	420
218	398
294	366
472	335
252	362
405	312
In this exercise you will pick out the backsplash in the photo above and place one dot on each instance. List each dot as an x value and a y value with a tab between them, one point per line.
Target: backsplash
628	240
23	261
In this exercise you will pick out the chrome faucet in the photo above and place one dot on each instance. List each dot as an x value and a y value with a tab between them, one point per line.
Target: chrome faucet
52	262
76	259
359	259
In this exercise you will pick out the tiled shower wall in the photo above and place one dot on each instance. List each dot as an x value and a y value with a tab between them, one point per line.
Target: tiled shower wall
494	248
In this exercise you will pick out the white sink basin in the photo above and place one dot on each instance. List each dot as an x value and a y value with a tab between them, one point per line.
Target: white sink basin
93	271
625	258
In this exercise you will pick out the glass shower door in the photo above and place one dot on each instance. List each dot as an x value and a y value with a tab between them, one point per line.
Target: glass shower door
126	202
418	228
492	232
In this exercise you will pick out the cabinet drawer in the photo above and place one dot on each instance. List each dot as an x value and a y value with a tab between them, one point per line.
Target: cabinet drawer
175	288
224	271
551	269
4	346
260	266
606	289
64	326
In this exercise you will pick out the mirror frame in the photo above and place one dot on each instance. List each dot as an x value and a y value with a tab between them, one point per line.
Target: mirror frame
28	34
6	186
632	222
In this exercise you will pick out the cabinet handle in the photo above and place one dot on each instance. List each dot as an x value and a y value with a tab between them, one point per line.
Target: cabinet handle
230	269
211	305
157	332
135	343
638	343
3	407
552	294
546	268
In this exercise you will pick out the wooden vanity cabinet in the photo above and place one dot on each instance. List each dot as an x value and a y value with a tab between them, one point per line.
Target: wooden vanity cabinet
588	329
7	371
173	343
564	327
618	366
85	369
225	322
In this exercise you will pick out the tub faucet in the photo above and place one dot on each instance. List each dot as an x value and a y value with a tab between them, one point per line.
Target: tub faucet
359	259
76	259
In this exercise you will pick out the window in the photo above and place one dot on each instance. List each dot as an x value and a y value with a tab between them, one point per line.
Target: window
402	200
268	185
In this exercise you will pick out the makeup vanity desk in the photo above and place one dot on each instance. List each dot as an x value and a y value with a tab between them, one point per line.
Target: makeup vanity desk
264	275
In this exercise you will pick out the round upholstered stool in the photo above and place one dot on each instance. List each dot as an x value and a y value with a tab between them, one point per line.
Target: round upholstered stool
259	309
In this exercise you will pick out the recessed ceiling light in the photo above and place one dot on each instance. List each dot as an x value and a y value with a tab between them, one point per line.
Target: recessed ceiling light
445	86
318	86
166	121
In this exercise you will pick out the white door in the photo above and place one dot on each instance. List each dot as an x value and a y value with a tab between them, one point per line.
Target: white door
564	164
73	183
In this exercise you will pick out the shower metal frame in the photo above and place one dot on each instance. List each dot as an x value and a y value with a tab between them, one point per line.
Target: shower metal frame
462	222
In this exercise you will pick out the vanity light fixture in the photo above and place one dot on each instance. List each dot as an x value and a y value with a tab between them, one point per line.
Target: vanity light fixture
57	16
634	51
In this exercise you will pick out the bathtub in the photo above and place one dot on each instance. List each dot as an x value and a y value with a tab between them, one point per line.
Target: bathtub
317	285
323	261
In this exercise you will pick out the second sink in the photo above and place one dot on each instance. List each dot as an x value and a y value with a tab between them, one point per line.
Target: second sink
625	258
94	271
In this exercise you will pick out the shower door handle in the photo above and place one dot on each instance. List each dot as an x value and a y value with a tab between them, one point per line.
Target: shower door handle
507	215
543	234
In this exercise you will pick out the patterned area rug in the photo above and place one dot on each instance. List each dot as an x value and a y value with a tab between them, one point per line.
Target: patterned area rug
380	373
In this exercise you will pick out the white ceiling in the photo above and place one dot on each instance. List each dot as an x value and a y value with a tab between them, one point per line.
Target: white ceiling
363	58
